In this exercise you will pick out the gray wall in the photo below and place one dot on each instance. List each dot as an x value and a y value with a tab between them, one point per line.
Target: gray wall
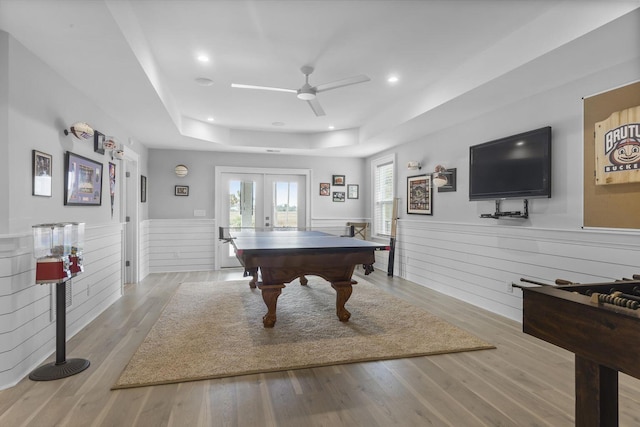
162	179
559	107
40	106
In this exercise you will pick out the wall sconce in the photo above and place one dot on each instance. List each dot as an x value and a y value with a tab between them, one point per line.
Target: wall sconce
413	165
119	153
80	130
444	179
110	144
181	171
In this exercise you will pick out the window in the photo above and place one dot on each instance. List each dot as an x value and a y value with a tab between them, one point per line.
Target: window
382	170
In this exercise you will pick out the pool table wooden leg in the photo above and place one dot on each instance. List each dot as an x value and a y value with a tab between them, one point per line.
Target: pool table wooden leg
253	272
270	294
343	293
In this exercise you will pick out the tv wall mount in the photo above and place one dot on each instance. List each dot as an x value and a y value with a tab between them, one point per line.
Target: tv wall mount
508	214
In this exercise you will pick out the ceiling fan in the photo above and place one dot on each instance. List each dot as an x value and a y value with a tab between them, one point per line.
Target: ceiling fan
308	92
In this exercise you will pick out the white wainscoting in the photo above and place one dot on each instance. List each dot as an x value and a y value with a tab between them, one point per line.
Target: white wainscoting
143	262
477	263
182	245
27	329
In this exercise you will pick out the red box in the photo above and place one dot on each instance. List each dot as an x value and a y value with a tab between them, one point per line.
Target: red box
53	270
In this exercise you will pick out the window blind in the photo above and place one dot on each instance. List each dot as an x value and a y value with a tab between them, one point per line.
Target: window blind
383	198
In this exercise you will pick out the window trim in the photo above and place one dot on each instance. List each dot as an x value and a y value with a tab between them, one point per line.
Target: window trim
375	163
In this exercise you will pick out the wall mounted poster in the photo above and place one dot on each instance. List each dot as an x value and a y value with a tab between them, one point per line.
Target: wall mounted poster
419	195
617	147
112	184
82	181
42	166
616	205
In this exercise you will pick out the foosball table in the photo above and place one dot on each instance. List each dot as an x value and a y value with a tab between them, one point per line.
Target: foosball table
600	324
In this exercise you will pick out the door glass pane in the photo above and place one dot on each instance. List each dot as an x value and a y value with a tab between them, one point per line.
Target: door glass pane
285	195
242	203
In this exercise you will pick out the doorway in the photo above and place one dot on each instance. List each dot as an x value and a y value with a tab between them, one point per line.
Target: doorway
265	198
129	212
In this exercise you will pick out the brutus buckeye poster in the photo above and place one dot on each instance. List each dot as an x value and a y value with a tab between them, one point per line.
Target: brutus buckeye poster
617	146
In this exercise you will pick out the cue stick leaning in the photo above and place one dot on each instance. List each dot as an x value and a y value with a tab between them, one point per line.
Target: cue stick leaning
392	241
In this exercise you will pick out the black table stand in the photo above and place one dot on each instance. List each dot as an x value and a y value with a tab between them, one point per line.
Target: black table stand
62	367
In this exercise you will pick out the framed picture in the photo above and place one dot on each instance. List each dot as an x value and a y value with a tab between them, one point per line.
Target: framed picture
112	184
338	196
419	195
325	189
353	191
182	190
82	181
98	142
41	170
143	189
338	179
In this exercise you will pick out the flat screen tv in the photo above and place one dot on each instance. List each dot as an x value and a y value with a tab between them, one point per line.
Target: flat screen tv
518	166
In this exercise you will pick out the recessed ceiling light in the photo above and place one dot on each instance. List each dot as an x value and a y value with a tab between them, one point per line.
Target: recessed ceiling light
209	119
272	151
332	127
203	81
203	58
278	123
393	79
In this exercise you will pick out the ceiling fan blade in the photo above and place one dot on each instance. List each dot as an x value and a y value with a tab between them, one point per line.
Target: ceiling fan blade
316	107
275	89
341	83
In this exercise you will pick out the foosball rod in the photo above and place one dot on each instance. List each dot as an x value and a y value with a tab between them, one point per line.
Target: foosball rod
522	279
598	298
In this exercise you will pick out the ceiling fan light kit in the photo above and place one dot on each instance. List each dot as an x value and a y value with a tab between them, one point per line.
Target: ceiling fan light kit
307	92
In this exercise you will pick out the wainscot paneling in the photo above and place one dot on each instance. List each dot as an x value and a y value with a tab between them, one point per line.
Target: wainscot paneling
144	250
181	245
477	264
27	327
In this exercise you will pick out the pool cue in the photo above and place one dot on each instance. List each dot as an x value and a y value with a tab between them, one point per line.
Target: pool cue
392	241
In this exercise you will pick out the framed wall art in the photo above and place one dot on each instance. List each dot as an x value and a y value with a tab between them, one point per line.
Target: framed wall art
82	181
338	180
338	196
41	169
419	195
325	189
112	185
182	190
353	191
98	142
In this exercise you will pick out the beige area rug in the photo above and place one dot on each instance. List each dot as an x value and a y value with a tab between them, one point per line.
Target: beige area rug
214	329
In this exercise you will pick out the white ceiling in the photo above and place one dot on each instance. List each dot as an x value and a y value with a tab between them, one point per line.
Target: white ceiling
137	59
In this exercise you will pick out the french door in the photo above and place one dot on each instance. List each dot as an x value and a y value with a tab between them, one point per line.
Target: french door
268	199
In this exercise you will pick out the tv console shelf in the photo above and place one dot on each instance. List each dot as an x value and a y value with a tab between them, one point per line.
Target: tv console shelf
508	214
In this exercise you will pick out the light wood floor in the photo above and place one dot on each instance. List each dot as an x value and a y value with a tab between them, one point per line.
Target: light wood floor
523	382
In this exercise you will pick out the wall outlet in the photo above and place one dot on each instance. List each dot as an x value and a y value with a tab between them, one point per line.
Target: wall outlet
509	286
199	212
